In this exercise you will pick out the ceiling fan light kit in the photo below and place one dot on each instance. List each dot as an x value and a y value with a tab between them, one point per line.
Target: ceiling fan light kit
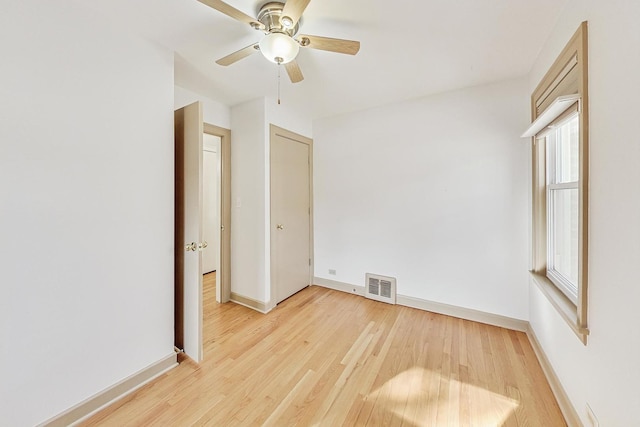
280	22
279	48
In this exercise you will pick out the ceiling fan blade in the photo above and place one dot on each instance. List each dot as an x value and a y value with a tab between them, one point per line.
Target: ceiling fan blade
350	47
293	69
231	11
238	55
294	9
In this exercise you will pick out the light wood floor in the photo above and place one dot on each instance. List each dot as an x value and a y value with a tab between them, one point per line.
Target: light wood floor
328	358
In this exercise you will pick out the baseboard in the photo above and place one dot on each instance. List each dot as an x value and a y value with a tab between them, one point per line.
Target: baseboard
339	286
434	307
106	397
464	313
570	414
249	303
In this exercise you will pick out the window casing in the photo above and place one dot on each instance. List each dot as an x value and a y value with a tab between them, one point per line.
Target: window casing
559	106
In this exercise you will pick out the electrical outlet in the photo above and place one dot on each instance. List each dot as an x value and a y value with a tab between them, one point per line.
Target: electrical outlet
592	417
332	272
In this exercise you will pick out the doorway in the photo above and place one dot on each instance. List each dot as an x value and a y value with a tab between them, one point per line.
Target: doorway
291	213
211	202
223	272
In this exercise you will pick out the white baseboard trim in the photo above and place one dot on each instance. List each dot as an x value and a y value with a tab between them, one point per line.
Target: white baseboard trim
90	406
339	286
434	307
249	303
464	313
570	414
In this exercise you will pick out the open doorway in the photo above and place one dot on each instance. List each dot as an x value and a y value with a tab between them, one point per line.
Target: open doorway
211	215
217	167
216	225
211	203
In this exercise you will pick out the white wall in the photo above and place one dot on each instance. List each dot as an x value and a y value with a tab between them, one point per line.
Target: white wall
605	373
287	117
432	192
213	112
86	207
248	208
250	192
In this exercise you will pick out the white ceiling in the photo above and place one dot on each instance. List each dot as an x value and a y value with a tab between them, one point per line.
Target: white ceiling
409	48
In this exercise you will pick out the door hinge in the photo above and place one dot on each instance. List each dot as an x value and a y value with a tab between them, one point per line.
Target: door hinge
309	261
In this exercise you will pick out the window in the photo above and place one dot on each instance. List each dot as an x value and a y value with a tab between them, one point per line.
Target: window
560	131
562	157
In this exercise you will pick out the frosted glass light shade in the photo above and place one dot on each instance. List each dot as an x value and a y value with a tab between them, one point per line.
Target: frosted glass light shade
279	48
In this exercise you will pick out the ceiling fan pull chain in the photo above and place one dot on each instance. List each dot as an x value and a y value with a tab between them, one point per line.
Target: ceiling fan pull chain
279	66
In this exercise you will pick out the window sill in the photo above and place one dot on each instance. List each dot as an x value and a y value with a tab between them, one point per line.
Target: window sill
562	304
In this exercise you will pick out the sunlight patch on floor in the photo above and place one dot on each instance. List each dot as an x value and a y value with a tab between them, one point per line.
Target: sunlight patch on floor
423	397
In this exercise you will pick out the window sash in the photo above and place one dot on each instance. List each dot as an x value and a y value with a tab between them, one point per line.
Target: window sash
561	236
560	232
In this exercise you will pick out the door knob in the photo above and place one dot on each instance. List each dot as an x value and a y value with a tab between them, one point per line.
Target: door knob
203	245
193	246
280	227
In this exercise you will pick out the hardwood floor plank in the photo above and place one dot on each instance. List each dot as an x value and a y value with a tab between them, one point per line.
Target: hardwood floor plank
328	358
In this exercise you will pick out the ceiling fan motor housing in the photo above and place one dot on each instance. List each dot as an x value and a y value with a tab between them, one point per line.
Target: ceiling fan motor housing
270	16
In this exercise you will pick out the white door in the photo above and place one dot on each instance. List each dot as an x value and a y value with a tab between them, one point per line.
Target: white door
290	214
188	229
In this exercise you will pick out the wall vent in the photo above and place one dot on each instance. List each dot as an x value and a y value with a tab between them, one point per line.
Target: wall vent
380	288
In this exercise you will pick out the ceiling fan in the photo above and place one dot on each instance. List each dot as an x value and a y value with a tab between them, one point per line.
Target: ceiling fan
280	22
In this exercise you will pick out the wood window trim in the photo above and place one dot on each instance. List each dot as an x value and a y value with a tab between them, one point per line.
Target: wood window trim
567	76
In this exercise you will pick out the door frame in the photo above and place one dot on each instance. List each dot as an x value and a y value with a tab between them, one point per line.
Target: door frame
223	276
275	131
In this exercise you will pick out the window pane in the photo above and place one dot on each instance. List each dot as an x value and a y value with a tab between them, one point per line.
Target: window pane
566	151
564	234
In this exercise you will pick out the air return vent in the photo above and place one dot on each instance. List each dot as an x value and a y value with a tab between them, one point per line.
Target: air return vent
380	288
